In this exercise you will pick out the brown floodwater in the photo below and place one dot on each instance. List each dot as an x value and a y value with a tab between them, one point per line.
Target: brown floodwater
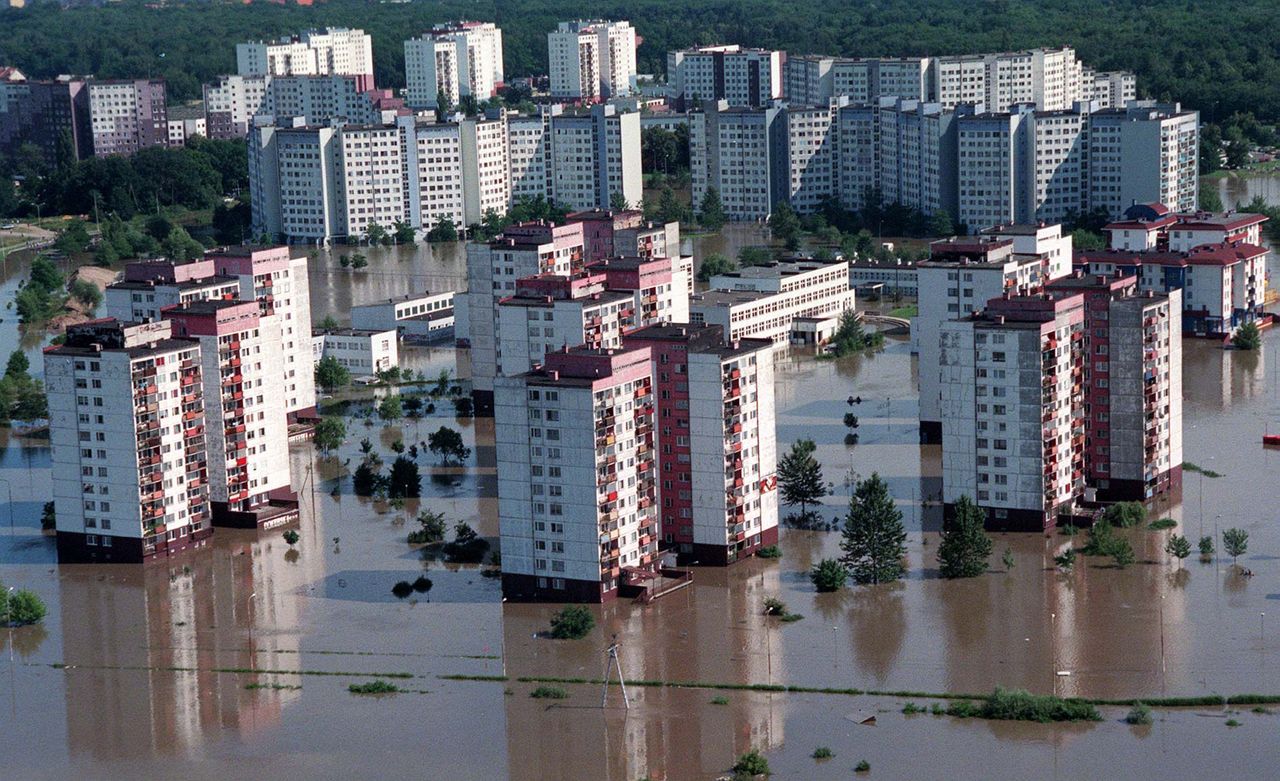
157	658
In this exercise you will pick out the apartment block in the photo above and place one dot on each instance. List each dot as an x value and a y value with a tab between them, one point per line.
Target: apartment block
812	160
600	226
1013	410
332	51
363	353
1132	368
551	312
240	355
813	80
1223	286
371	190
591	60
577	476
524	250
742	152
764	302
127	436
416	317
1114	89
1048	79
456	170
961	275
595	155
661	287
43	113
716	443
1152	226
125	116
918	156
453	60
278	281
736	75
1144	153
231	103
184	123
150	286
1039	240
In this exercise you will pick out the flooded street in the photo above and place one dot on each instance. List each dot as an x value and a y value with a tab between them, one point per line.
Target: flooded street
157	658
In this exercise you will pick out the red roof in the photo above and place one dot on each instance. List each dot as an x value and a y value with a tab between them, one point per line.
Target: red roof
1147	225
1224	254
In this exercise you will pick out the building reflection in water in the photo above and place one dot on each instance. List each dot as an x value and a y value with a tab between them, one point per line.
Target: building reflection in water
711	632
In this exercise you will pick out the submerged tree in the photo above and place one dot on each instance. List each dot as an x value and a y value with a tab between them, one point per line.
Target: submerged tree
965	546
873	539
800	477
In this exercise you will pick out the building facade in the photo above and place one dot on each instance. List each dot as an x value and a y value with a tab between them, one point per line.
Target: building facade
453	60
736	75
332	51
764	302
591	60
125	116
363	353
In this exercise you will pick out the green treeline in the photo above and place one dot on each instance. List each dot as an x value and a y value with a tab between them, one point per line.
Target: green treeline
1217	57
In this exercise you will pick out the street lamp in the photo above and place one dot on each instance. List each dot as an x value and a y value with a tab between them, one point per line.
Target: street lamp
249	610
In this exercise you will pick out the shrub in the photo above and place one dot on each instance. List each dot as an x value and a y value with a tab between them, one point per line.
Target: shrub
1232	723
822	752
770	552
25	607
373	687
721	700
828	575
1140	715
402	589
467	546
1122	553
422	585
790	618
938	709
1021	705
549	693
291	537
774	607
1125	514
910	709
963	709
1163	523
1206	548
1247	337
863	766
1065	561
750	764
573	623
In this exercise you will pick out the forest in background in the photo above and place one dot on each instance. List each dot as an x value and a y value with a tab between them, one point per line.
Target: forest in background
1219	58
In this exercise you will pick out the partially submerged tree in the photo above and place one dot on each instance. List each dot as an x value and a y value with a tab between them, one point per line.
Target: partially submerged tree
965	546
800	477
874	539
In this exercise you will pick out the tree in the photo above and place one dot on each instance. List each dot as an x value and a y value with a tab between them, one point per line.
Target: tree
751	764
1125	515
18	365
659	150
1122	552
873	539
330	374
330	433
25	607
618	201
669	207
940	224
466	546
965	545
784	225
433	527
404	233
73	238
800	477
1082	239
1210	201
754	256
573	623
1235	542
711	210
850	337
290	537
359	261
1065	561
376	234
713	265
390	408
1206	548
443	231
464	406
448	445
328	323
828	575
367	479
404	480
1247	337
1179	547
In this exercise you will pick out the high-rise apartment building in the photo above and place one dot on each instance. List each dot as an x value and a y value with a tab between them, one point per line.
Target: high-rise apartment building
742	152
591	60
127	434
815	80
577	476
741	77
1144	153
525	250
551	312
125	116
332	51
241	352
453	60
661	286
716	442
44	114
231	103
457	170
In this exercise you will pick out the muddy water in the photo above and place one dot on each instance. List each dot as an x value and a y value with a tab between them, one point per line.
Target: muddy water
250	603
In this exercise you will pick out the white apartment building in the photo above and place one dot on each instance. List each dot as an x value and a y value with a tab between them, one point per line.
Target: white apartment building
960	277
371	190
1113	89
125	116
551	312
814	80
416	317
127	437
660	286
577	477
139	296
278	281
363	353
917	155
1013	411
1144	153
231	103
184	123
524	250
738	76
857	165
1043	240
293	183
335	50
1049	79
322	100
453	60
1151	226
590	60
811	154
593	156
742	152
762	302
241	352
988	158
457	170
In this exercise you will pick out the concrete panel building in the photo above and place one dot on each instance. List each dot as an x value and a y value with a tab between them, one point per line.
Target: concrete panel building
591	60
739	76
453	60
125	116
332	51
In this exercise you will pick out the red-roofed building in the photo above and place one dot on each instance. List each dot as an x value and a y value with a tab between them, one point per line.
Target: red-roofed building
1148	227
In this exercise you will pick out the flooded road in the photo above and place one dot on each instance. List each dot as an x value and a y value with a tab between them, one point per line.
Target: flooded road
157	658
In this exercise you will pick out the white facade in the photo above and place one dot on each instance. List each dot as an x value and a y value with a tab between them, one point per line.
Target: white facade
463	58
180	130
763	301
372	187
577	483
126	426
136	301
553	313
415	317
232	102
738	76
1145	153
334	50
361	352
592	60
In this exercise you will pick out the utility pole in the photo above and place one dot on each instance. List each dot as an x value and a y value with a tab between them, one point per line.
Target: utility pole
611	662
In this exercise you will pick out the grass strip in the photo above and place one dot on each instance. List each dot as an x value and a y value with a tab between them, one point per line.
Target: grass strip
236	670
